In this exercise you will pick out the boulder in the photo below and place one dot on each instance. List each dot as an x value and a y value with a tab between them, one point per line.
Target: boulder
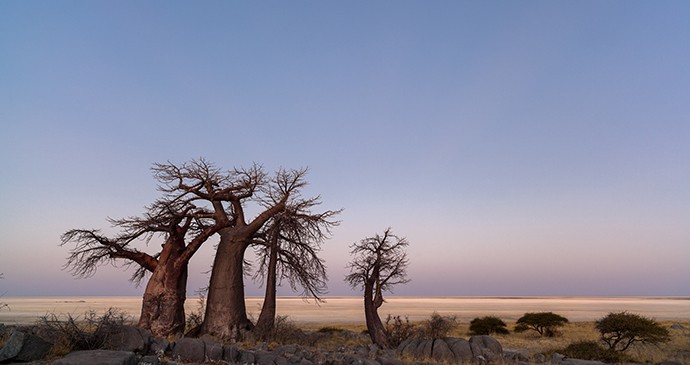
213	350
149	360
100	357
461	349
231	353
558	359
192	349
24	347
269	358
159	346
441	352
487	347
129	338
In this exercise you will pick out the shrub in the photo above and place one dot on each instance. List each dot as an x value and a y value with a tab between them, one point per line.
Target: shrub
488	325
620	330
544	323
330	330
438	326
88	333
398	330
592	350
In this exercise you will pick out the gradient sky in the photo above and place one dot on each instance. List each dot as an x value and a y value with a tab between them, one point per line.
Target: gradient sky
523	148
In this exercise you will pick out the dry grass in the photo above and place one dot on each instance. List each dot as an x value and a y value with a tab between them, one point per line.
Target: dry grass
678	349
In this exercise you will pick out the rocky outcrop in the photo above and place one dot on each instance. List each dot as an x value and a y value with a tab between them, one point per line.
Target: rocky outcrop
453	350
100	357
558	359
24	347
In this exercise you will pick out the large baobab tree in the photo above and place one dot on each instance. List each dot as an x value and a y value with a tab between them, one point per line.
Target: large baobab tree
183	228
230	194
288	248
379	263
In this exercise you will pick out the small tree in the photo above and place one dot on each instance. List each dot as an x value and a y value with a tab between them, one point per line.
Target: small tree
379	263
488	325
3	305
544	323
438	326
398	330
620	330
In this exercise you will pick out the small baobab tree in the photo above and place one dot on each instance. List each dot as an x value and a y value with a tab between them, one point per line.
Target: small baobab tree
287	249
379	263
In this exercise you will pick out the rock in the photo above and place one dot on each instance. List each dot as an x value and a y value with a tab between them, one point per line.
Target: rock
99	357
159	346
304	362
129	338
558	359
24	347
515	355
441	352
461	349
388	361
269	358
678	326
486	347
192	349
231	353
213	350
149	360
246	357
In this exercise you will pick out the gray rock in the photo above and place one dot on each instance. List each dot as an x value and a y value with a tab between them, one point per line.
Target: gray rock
269	358
192	349
246	357
24	347
129	338
461	349
305	362
384	360
678	326
213	350
159	346
98	357
441	351
515	355
486	347
231	353
558	359
149	360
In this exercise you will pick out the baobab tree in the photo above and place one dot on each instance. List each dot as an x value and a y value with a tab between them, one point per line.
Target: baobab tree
226	314
379	263
183	227
288	248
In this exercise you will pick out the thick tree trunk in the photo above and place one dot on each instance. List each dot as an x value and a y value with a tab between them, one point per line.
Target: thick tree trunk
226	313
162	309
266	321
374	325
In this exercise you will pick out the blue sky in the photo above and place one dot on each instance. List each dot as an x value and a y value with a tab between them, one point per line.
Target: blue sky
523	148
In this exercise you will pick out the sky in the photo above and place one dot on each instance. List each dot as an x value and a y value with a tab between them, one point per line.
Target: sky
536	148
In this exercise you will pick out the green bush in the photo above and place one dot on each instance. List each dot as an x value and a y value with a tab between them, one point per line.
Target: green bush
329	330
488	325
398	330
621	330
544	323
592	350
438	326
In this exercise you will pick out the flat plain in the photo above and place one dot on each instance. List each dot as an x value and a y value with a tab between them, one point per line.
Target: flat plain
349	310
